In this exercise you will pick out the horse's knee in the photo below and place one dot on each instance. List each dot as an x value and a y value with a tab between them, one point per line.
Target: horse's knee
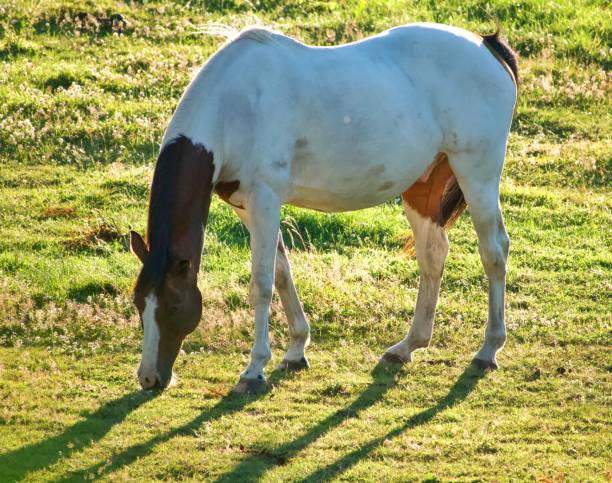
494	250
261	289
494	262
494	255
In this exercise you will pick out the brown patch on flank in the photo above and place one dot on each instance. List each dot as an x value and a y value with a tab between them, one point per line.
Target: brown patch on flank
436	195
425	196
225	190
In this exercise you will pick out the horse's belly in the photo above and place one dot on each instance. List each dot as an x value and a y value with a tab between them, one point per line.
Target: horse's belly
333	202
352	184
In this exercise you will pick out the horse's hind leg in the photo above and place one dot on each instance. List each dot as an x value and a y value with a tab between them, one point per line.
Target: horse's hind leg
479	181
431	245
299	330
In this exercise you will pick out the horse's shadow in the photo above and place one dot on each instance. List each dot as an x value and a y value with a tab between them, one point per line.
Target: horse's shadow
16	464
254	467
19	463
227	405
457	393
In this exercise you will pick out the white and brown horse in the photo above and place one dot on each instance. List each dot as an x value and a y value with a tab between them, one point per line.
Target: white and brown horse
422	111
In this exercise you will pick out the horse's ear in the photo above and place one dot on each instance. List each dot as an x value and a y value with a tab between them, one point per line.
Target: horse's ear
138	246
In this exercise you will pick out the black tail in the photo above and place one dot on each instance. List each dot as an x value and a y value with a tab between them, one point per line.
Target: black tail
502	50
452	204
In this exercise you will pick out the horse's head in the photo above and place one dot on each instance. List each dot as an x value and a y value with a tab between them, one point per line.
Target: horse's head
170	305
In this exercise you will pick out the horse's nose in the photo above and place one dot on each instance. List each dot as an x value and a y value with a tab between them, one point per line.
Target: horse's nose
148	379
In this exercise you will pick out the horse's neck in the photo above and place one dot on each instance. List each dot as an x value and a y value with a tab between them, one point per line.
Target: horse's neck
186	241
180	199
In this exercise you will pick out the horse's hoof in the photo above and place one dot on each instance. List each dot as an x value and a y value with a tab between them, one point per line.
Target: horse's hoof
484	364
251	386
391	359
293	365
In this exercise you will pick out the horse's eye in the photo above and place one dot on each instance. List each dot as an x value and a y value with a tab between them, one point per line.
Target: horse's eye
173	309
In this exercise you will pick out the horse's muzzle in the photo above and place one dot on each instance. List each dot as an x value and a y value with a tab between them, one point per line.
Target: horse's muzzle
147	380
150	379
153	380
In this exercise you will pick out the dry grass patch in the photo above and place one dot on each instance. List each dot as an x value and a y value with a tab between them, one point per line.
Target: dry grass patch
58	212
102	232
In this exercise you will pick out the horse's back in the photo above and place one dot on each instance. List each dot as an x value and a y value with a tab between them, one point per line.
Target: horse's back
432	65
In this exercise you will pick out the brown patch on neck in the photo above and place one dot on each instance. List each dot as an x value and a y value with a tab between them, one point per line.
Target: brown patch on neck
178	208
436	194
225	190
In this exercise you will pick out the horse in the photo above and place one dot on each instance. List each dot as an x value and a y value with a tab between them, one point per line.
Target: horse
421	111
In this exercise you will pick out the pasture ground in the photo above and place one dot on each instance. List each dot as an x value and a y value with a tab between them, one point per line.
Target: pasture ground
83	104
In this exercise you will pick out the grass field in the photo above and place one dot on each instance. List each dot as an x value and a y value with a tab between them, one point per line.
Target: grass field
83	105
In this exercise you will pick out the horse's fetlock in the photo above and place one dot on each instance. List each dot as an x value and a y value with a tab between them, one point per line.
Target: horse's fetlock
301	334
496	340
420	343
262	355
300	329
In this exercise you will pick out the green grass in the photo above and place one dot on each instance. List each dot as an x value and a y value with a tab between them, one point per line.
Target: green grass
82	110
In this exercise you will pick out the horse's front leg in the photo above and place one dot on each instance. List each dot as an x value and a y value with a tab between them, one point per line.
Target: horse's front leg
263	208
299	330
